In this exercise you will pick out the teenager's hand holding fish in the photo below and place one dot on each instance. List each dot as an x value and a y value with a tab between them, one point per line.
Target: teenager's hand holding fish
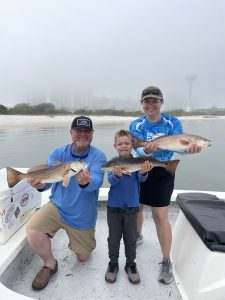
194	149
151	147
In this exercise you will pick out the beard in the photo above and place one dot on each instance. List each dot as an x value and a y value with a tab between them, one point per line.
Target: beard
82	144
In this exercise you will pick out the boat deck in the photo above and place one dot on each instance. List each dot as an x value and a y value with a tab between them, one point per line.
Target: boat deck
76	280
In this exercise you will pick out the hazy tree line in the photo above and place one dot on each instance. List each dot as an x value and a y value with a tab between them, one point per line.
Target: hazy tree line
50	109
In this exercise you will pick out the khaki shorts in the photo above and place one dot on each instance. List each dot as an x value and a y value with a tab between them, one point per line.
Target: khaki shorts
47	220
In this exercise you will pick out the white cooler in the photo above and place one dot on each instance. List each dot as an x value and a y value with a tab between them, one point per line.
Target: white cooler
17	204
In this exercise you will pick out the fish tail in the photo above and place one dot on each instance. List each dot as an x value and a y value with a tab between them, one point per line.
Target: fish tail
13	177
171	166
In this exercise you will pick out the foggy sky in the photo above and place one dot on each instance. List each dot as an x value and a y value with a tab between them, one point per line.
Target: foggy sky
113	48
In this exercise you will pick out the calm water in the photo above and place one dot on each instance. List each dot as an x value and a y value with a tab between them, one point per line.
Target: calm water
26	147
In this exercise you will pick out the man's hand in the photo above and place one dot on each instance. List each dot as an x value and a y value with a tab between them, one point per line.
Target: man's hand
36	183
83	177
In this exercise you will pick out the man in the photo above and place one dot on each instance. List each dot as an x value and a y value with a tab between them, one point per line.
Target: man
73	208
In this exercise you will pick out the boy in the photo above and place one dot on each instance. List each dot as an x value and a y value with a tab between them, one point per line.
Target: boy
123	205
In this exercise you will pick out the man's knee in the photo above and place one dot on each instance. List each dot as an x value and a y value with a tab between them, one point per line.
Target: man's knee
31	233
35	235
82	257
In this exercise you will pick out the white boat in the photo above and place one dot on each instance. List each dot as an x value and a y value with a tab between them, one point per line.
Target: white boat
76	280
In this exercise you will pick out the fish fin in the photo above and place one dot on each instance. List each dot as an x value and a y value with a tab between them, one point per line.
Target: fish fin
66	182
136	142
13	177
38	168
56	163
184	142
66	173
126	171
171	166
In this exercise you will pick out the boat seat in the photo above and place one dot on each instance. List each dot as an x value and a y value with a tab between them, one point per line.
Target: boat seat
206	213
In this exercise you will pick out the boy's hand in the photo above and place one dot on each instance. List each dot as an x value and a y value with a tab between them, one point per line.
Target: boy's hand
117	171
147	166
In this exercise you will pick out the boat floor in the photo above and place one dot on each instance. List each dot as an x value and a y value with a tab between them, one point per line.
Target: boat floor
76	280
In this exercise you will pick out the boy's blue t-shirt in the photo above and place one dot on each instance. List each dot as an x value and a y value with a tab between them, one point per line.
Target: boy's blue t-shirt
125	191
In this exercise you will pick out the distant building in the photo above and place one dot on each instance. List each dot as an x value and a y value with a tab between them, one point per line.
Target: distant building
187	109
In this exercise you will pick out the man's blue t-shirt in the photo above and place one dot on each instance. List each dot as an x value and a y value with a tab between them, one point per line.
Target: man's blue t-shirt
77	206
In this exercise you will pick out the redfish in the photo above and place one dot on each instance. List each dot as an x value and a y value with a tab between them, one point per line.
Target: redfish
132	164
179	142
46	174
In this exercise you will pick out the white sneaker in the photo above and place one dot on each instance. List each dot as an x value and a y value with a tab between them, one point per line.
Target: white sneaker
165	275
140	239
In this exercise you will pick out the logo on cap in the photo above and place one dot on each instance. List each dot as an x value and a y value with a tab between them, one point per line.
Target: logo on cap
83	122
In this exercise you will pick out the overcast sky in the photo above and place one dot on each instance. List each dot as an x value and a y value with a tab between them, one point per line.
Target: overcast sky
113	48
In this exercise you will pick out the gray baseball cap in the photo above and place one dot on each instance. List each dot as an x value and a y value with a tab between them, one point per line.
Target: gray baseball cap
151	92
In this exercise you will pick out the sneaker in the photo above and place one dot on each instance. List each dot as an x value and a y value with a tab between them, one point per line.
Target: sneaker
111	273
140	239
132	273
165	275
42	278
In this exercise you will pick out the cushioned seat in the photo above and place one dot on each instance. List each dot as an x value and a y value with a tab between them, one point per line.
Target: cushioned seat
206	214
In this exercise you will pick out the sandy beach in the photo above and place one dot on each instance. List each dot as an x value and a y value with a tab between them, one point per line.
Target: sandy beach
57	121
7	121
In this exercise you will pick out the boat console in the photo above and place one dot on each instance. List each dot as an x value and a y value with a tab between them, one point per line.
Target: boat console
198	250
